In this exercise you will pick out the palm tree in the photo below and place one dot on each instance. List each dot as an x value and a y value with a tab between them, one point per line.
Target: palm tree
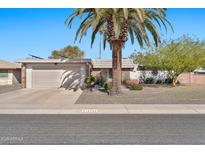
100	50
117	23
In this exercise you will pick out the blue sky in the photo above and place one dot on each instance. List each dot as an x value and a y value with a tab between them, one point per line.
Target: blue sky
39	31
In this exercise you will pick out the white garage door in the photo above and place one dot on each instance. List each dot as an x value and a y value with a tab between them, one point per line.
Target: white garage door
48	78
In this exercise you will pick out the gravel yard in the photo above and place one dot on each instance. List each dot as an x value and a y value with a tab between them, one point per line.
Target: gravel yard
194	94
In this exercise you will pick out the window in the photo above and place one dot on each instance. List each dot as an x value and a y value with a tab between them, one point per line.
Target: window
3	73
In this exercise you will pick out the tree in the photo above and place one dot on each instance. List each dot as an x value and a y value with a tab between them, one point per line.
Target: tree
149	60
178	56
116	24
67	52
182	55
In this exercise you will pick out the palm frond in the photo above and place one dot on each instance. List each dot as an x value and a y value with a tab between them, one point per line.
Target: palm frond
139	23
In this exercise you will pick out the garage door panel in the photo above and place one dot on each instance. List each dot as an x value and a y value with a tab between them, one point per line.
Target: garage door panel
46	78
64	77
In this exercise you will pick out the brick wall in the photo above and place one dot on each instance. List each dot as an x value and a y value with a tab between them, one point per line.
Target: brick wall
191	78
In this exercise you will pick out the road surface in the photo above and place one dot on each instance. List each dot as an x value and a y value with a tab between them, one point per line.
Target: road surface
102	129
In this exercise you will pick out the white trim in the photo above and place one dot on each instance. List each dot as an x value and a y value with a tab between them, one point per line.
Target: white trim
53	61
82	74
29	78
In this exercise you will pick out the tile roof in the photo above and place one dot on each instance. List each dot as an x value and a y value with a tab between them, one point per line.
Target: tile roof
102	63
7	65
97	63
53	60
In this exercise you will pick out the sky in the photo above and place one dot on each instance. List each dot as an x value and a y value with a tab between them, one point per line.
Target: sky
39	31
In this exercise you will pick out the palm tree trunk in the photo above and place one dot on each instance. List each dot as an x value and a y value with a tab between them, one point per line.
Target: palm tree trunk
116	67
100	46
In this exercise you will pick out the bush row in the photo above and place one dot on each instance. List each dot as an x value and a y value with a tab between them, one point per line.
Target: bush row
130	84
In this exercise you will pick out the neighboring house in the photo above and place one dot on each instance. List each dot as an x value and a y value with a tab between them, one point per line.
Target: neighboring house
54	73
195	77
102	67
10	73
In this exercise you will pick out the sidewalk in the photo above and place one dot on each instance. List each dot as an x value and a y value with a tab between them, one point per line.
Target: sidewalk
115	109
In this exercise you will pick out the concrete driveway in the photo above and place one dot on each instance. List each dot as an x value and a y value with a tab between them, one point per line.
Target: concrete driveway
39	99
7	88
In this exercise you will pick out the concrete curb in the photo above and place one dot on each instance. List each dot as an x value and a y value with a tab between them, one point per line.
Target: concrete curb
116	109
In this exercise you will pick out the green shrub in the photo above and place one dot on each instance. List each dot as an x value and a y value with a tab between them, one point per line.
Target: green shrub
90	80
87	80
100	81
135	86
108	86
168	81
149	80
159	81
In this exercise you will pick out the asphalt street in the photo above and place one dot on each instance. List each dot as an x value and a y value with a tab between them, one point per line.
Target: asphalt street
102	129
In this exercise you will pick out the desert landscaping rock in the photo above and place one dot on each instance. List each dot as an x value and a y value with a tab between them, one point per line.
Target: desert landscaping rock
194	94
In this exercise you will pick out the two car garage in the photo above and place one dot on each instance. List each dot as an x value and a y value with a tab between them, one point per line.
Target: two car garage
45	78
68	74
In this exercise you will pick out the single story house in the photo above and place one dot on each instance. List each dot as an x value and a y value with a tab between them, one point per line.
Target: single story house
10	73
54	73
66	73
102	67
70	73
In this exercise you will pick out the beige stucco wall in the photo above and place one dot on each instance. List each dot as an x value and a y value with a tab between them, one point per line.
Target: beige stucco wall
105	73
125	74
